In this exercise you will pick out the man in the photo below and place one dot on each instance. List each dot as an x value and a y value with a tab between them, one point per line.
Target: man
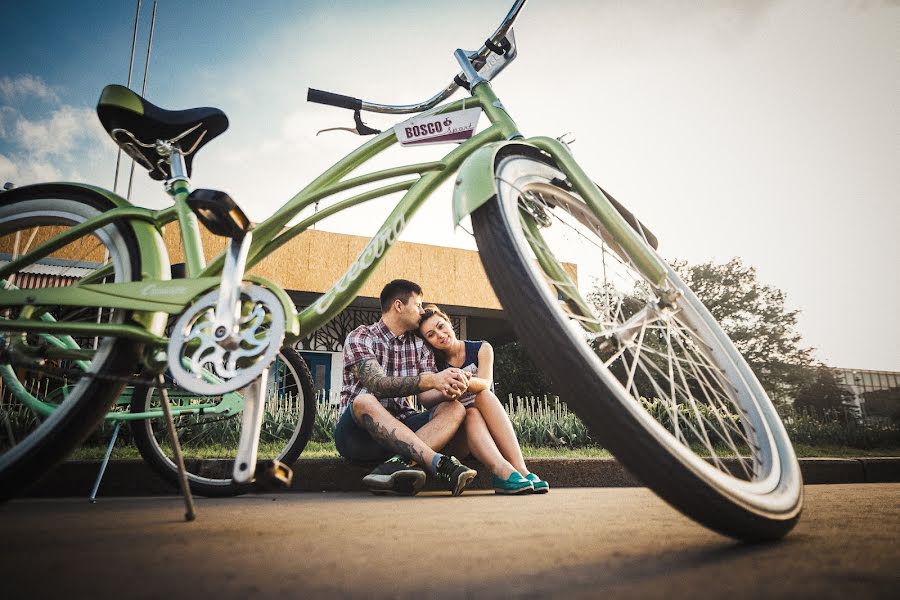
384	364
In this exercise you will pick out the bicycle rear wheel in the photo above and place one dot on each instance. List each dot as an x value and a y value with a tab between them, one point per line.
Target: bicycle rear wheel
209	438
648	369
55	389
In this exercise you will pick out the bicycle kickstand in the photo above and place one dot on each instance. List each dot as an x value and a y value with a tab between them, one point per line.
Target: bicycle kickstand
109	449
189	514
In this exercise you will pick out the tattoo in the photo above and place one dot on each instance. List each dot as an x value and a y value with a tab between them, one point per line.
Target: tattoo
388	438
372	376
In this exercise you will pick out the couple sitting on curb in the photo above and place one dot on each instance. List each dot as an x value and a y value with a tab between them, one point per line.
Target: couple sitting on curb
413	351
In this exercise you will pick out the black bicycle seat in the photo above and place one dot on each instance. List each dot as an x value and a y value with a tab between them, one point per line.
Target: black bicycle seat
136	125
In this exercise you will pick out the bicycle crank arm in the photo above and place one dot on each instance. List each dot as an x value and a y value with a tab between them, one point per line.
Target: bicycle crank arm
251	424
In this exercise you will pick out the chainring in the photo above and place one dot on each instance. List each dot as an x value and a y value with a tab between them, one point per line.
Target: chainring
204	365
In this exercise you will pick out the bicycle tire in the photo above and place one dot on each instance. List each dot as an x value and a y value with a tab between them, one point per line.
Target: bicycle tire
283	429
755	498
31	447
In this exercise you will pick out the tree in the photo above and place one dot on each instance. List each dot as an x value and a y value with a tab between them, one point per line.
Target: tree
754	316
516	374
822	395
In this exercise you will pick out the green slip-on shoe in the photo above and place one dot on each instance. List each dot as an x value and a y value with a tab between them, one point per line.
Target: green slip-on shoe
540	486
514	484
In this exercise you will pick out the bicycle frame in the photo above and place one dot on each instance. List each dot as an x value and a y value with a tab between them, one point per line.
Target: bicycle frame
172	297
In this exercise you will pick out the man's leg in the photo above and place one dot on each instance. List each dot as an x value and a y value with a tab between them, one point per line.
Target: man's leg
356	442
443	426
390	432
446	418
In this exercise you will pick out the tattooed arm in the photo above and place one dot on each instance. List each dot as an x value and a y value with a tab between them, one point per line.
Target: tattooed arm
371	374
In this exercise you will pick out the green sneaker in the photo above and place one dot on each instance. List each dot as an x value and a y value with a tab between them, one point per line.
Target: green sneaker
540	486
514	484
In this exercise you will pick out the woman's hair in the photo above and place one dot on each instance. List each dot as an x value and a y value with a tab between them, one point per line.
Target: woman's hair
430	311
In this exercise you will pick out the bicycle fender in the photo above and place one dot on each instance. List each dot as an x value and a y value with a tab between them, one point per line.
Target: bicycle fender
475	183
154	258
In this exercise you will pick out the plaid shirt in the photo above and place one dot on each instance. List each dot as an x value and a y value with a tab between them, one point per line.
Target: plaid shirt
403	356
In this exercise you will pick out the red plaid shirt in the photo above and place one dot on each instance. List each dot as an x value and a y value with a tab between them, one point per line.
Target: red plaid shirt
403	356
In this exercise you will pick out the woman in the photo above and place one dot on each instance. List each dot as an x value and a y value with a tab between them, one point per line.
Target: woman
488	430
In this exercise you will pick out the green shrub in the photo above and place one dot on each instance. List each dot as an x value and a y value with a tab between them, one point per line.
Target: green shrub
540	421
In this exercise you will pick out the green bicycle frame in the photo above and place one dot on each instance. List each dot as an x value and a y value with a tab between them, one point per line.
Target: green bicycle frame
173	296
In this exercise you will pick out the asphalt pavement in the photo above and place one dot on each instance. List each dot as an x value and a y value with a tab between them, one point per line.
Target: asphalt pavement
584	542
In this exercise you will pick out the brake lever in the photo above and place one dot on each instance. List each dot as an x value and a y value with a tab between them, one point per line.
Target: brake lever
360	129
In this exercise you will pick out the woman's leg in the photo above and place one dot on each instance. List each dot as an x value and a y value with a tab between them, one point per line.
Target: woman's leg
501	429
482	445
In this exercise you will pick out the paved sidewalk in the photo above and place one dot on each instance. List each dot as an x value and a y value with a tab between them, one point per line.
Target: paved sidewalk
134	478
573	543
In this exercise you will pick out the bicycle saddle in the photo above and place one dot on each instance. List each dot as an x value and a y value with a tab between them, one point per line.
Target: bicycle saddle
136	125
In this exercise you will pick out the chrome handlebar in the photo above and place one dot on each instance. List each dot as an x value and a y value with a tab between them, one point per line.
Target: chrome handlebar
479	56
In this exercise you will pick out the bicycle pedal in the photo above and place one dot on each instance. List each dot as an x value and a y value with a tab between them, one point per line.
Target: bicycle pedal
277	474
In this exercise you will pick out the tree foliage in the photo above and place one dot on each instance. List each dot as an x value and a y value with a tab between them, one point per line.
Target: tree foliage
516	374
755	317
822	395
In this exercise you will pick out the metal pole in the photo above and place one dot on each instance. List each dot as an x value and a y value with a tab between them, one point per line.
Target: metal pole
137	14
144	85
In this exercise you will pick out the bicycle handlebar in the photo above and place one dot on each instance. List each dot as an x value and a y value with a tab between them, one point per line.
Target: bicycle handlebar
339	100
479	56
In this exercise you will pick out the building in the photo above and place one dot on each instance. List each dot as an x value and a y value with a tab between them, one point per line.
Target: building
312	262
876	394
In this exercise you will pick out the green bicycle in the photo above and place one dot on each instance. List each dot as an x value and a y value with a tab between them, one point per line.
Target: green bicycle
630	346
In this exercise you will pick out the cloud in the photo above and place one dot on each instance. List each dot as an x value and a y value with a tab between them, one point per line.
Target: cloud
58	134
64	143
20	171
20	87
7	116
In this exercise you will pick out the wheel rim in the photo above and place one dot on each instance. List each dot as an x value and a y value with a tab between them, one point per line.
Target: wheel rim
663	362
23	226
215	436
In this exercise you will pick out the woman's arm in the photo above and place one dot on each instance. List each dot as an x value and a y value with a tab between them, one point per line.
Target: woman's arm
484	378
431	398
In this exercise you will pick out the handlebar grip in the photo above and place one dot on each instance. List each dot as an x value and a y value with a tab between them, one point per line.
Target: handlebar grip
338	100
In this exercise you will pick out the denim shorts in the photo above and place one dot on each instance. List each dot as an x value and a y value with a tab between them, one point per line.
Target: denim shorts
354	443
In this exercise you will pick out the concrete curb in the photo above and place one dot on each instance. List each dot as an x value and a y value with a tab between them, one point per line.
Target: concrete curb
134	478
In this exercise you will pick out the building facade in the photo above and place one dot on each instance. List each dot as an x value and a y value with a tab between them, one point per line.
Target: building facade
875	394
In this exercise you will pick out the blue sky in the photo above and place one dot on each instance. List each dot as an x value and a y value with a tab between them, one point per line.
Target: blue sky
762	129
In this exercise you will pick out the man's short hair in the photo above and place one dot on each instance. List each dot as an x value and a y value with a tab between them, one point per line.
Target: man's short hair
398	289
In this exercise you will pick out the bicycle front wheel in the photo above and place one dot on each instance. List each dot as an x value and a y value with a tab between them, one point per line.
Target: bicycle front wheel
648	368
209	428
56	388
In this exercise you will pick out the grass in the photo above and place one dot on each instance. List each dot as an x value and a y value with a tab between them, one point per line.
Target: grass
808	451
546	428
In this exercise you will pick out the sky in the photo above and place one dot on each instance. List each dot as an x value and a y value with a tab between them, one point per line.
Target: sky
763	129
